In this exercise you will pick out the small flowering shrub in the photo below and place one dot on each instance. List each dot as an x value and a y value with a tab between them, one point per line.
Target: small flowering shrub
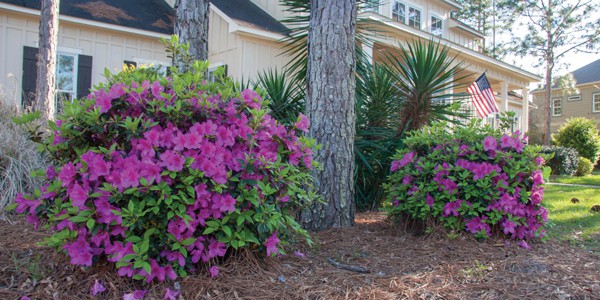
475	179
157	176
563	161
585	167
582	134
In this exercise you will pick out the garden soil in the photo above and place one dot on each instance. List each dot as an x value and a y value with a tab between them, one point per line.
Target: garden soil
399	265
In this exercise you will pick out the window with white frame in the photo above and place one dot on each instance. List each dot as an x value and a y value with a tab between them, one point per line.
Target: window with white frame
159	66
399	12
414	17
574	98
596	102
66	79
437	26
557	107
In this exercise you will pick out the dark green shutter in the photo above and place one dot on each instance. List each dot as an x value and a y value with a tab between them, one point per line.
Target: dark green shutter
29	76
84	76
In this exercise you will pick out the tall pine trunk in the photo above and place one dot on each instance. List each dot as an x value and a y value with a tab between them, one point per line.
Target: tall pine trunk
45	88
330	108
191	25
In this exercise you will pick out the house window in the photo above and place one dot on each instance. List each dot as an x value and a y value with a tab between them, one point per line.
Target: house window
437	26
574	98
160	67
399	12
66	79
596	102
556	107
414	17
216	72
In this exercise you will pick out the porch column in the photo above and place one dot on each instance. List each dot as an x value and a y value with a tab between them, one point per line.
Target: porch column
525	113
503	97
368	50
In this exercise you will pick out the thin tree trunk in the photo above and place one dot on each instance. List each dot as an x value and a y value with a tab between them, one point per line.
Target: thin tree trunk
191	25
548	79
330	108
46	64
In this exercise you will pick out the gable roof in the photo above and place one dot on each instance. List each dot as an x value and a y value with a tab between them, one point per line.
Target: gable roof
151	15
588	73
247	14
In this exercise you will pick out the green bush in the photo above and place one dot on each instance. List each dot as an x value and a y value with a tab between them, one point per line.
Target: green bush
580	134
585	167
564	160
157	176
475	179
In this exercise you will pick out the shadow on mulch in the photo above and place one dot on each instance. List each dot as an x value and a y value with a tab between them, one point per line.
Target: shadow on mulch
401	266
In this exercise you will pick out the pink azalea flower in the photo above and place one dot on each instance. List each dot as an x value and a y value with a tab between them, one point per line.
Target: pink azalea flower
80	252
507	142
524	245
284	199
24	204
490	143
271	244
136	295
216	248
539	161
103	100
429	200
214	271
172	161
451	208
303	123
78	195
97	288
171	295
67	174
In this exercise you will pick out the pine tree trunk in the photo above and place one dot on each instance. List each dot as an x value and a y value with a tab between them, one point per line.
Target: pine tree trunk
548	79
191	25
330	108
47	54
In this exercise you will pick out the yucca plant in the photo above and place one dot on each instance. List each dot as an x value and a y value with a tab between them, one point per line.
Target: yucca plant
285	94
427	76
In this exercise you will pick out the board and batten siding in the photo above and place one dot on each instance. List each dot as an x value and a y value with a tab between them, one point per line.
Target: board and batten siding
245	55
108	48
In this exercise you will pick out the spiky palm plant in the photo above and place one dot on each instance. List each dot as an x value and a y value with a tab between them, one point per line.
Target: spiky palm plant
427	76
284	92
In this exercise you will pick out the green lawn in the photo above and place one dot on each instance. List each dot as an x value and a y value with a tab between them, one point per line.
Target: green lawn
593	179
573	221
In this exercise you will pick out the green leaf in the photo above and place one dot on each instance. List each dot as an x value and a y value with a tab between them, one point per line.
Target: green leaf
90	224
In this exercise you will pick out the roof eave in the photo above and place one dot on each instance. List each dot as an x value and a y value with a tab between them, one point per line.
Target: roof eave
80	21
235	27
467	51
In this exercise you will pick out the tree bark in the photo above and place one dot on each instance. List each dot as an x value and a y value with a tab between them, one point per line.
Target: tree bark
330	108
191	25
47	54
548	79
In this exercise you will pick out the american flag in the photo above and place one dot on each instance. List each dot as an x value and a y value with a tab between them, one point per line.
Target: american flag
482	96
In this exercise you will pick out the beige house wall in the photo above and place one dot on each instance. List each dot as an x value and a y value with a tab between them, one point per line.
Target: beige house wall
108	48
570	109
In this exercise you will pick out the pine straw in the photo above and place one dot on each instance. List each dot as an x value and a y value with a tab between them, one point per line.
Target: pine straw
402	267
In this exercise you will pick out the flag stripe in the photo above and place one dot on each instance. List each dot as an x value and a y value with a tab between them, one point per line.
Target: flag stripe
482	96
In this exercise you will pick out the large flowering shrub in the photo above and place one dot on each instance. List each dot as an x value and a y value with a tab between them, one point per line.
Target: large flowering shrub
562	161
475	179
157	176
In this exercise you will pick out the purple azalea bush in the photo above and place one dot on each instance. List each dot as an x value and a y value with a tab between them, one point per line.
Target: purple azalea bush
162	176
475	178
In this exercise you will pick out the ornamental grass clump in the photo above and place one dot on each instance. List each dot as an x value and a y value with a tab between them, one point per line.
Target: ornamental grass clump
162	177
475	179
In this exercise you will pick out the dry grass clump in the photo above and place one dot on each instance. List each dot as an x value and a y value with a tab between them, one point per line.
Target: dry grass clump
18	158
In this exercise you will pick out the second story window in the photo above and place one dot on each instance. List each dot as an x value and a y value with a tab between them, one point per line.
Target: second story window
596	102
556	107
437	26
399	12
414	17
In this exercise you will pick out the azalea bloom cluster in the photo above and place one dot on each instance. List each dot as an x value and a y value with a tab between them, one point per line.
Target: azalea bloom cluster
159	176
479	180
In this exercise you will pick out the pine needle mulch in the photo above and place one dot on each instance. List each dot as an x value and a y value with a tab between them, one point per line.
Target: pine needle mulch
399	266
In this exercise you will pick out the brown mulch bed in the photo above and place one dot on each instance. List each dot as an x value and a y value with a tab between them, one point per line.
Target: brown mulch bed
400	265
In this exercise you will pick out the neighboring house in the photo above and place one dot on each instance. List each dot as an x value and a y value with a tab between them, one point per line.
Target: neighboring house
243	34
562	106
